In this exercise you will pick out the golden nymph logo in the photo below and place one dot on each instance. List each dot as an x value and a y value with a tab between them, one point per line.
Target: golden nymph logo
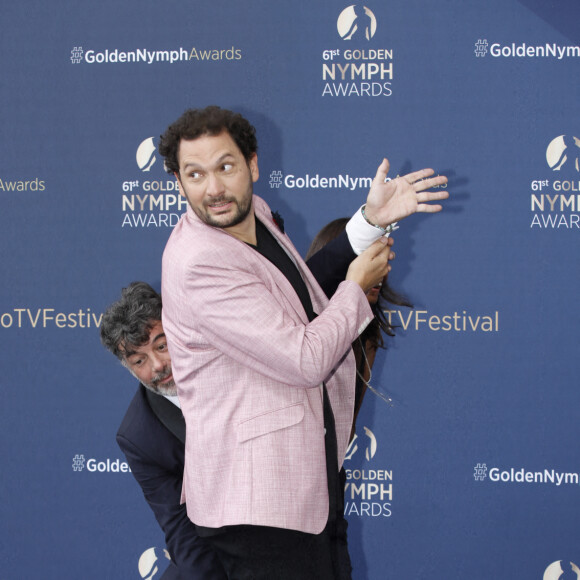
356	68
151	202
368	491
555	196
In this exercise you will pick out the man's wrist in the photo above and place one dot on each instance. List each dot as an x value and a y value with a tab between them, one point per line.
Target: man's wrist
361	234
386	230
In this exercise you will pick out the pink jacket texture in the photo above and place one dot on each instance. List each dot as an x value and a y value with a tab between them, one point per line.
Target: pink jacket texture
249	368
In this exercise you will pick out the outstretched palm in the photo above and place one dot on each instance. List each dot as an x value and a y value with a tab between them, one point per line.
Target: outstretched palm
391	201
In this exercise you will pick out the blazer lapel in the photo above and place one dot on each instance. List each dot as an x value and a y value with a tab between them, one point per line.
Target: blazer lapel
170	415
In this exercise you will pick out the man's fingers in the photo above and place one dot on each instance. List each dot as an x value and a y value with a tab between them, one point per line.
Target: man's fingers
427	208
418	175
429	183
426	196
382	170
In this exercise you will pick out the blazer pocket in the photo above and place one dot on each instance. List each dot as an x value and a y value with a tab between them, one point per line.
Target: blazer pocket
269	422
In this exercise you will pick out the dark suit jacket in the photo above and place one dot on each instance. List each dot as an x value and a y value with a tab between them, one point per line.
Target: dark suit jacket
152	437
154	452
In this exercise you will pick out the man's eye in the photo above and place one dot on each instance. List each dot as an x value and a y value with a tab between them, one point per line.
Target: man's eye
227	167
162	347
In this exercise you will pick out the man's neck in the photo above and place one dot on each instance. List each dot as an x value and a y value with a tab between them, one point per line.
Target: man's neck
245	231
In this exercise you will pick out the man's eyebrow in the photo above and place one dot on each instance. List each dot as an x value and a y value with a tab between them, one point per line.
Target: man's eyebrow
219	160
127	352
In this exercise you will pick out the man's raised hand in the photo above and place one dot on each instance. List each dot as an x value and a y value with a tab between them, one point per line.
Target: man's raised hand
392	200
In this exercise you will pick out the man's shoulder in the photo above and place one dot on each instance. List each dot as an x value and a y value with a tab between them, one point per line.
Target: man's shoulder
142	424
138	411
195	244
260	205
188	227
192	240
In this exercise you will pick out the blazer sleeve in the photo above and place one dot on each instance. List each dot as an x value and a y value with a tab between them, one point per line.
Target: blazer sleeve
246	317
162	490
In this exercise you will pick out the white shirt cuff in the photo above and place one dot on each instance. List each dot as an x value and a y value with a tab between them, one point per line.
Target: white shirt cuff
361	234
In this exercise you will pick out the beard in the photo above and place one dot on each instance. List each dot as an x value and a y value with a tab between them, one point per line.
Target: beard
162	389
166	389
242	210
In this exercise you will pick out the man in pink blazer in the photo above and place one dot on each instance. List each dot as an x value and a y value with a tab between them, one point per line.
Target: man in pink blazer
261	358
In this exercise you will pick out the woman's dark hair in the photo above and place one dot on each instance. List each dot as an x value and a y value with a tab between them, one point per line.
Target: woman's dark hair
386	295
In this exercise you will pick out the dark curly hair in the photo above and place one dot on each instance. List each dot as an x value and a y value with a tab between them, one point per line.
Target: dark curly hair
209	121
129	320
380	322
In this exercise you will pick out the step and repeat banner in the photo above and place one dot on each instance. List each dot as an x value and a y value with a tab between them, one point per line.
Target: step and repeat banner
473	470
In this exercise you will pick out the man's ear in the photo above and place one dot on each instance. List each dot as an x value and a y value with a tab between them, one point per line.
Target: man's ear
253	165
179	186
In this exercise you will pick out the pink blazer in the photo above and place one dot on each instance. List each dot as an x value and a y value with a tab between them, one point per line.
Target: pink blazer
249	368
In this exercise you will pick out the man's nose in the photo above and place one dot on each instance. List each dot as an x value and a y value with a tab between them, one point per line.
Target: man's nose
157	363
214	185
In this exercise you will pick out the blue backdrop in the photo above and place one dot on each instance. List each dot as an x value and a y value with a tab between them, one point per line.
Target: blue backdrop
474	471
